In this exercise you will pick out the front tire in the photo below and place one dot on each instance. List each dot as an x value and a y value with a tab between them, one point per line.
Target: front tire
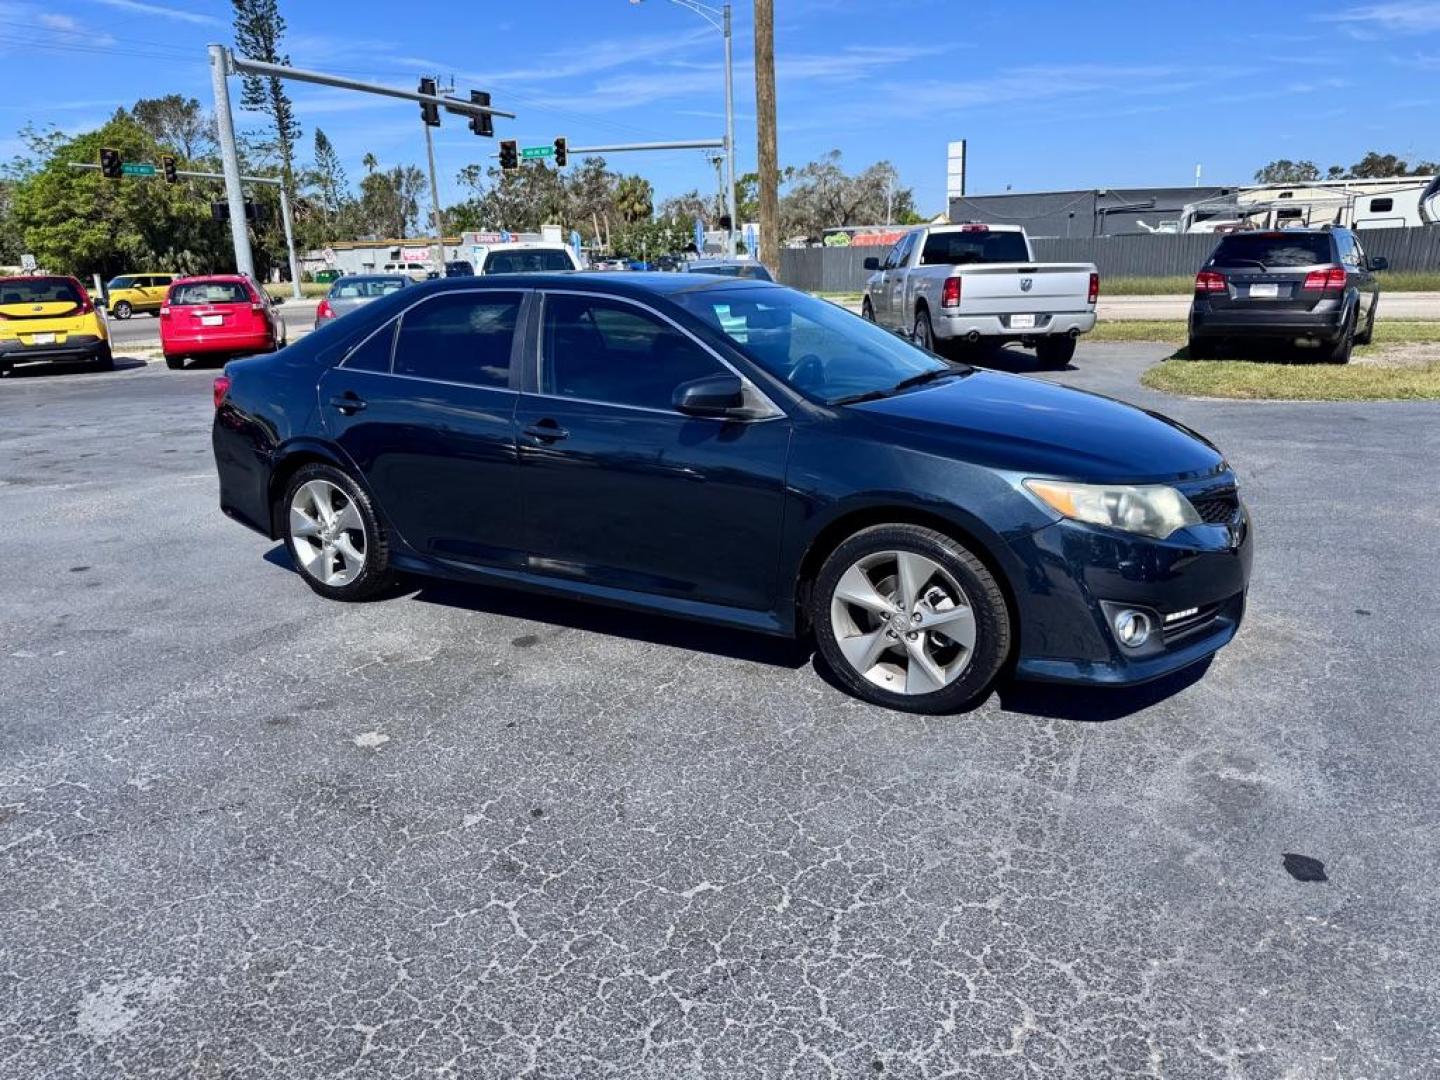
334	536
1055	352
867	312
1366	336
123	310
909	618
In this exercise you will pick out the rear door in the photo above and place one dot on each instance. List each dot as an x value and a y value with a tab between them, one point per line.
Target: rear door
1272	271
425	409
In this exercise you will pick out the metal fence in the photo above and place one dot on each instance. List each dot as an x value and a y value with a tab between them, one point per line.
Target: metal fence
842	269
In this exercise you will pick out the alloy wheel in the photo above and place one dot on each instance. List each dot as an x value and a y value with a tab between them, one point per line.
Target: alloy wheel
903	622
328	533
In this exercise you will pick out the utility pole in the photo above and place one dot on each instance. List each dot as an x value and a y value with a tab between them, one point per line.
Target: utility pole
230	159
767	156
730	136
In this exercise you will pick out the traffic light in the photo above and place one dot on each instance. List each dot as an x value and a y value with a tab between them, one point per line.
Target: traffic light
482	123
167	167
429	111
110	164
562	152
509	155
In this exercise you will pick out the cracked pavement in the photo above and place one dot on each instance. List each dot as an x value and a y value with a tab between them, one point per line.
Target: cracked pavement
245	832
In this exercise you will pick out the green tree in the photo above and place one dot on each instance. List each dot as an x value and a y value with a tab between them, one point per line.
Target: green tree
259	30
634	199
1285	171
649	239
177	123
329	175
389	203
79	222
823	195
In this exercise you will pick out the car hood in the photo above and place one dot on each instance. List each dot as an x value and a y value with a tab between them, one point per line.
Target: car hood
1035	427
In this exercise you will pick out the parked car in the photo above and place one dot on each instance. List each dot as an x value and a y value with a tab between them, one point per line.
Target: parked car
414	270
460	268
49	317
742	454
131	294
221	315
741	268
526	258
1312	286
348	293
971	283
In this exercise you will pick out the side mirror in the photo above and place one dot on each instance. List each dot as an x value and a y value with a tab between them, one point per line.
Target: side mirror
872	263
714	395
1379	262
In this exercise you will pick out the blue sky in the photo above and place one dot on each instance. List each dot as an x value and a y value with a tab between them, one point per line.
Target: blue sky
1049	93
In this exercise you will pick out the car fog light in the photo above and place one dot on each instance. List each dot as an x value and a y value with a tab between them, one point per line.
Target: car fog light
1132	628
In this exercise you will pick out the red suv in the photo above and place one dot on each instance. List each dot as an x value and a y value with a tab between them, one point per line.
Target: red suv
220	315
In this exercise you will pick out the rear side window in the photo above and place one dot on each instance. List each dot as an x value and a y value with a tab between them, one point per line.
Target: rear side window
459	338
365	288
209	292
39	291
1273	250
122	283
959	248
526	262
609	351
373	354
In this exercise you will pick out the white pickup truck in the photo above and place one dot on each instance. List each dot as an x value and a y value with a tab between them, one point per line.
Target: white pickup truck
948	284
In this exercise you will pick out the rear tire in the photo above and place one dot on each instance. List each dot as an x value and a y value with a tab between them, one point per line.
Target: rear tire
1055	352
327	559
862	565
1200	349
1340	351
123	310
104	360
174	363
924	333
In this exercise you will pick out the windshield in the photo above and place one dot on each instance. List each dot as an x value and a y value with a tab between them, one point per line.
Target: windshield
209	292
816	346
366	288
1273	249
526	262
952	248
38	291
757	272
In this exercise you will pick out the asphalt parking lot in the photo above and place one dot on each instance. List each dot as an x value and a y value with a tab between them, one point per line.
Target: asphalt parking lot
245	832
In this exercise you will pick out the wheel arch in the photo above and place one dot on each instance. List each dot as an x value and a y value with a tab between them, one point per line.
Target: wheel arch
293	457
846	524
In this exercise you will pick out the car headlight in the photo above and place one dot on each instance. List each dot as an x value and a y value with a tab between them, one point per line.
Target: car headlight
1150	509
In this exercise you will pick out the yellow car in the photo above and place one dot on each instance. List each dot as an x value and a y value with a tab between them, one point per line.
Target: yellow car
50	317
132	293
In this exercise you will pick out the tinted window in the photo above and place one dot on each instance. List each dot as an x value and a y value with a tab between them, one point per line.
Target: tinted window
374	353
605	350
816	346
39	291
526	262
1273	249
461	338
1380	206
366	288
959	248
210	292
122	283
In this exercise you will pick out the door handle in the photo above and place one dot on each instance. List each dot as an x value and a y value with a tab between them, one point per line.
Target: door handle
348	403
546	431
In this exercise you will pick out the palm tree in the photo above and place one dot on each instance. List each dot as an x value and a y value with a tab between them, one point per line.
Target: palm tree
634	198
371	162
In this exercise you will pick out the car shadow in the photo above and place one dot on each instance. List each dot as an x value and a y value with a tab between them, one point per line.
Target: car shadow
75	367
591	617
1010	358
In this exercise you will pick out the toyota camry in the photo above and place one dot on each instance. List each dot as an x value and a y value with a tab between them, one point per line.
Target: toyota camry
735	452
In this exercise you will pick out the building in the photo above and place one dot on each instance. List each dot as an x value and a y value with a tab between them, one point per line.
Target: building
1093	212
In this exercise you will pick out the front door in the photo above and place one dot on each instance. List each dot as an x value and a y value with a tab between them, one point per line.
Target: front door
425	409
621	490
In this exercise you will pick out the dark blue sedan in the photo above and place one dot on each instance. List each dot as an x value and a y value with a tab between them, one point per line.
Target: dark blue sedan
739	453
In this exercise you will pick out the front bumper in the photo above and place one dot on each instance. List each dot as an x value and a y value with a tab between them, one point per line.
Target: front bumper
14	352
1325	324
1078	575
1047	324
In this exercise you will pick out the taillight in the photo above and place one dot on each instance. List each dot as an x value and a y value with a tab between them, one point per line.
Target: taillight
165	311
87	306
323	310
1094	288
256	306
1332	277
222	387
1208	281
950	294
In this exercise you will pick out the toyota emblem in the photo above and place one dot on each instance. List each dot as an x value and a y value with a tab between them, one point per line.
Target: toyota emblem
1025	283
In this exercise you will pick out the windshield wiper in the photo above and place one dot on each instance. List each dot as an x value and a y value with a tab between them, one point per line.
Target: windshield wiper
1251	262
903	384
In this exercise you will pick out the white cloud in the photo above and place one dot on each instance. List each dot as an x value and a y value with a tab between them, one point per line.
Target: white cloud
161	11
1395	17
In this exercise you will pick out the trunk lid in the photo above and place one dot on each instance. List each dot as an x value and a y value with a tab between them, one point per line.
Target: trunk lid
1001	289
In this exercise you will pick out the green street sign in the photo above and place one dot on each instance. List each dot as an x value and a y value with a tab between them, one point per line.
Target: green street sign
537	151
129	169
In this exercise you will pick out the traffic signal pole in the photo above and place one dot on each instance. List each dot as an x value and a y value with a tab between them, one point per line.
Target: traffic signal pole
230	161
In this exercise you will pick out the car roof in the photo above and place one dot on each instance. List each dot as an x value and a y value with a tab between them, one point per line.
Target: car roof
636	285
212	277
